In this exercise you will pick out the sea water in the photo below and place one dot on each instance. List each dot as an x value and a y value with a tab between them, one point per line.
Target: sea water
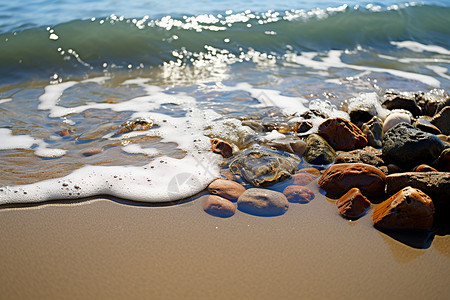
74	74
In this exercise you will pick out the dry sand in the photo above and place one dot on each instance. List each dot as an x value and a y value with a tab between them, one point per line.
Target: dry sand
107	249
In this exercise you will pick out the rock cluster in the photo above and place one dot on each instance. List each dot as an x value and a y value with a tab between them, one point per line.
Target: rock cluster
397	161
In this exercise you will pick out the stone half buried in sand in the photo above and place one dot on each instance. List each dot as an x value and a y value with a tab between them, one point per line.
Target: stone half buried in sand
261	167
342	134
227	189
409	208
298	194
353	204
218	206
263	202
407	146
340	178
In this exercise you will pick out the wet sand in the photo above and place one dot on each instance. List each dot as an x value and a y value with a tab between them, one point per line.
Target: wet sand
108	249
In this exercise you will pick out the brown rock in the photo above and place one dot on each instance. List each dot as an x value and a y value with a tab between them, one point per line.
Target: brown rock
409	208
302	179
92	151
312	171
353	204
227	189
442	120
342	134
221	147
218	206
424	168
340	178
64	133
263	202
359	156
298	194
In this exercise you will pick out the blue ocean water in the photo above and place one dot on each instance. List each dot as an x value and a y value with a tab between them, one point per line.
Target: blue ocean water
64	65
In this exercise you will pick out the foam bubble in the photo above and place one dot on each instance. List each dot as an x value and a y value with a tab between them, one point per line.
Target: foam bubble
137	149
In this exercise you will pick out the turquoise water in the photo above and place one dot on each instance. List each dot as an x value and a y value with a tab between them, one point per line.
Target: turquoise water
87	68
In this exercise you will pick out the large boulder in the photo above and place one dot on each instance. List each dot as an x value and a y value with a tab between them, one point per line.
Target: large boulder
342	134
263	202
407	146
338	179
409	208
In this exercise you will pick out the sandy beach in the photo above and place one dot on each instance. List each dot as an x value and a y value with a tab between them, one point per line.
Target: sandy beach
109	249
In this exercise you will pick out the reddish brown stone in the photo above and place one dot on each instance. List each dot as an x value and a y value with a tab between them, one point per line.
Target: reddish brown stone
92	151
227	189
302	179
340	178
221	147
312	171
218	206
409	208
342	134
353	204
424	168
298	194
64	133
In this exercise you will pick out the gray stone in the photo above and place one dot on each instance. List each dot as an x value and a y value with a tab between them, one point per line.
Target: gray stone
407	146
405	101
318	151
373	131
263	202
442	120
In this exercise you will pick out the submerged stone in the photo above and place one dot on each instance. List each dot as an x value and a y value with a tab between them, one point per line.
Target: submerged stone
318	151
263	202
298	194
409	208
408	146
263	167
302	179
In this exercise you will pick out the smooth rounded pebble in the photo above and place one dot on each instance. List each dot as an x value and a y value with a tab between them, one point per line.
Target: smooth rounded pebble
227	189
218	206
298	194
263	202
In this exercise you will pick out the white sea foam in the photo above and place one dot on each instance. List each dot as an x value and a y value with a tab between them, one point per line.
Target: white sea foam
165	179
5	100
137	149
23	141
333	60
418	47
368	102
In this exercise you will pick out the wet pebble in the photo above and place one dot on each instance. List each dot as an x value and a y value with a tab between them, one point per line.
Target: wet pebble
263	202
218	206
227	189
298	194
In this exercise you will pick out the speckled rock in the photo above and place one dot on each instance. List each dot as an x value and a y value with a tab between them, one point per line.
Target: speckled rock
409	208
406	101
359	156
373	131
221	147
298	194
340	178
342	134
407	146
353	204
227	189
302	179
394	119
263	167
218	206
263	202
318	151
442	120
